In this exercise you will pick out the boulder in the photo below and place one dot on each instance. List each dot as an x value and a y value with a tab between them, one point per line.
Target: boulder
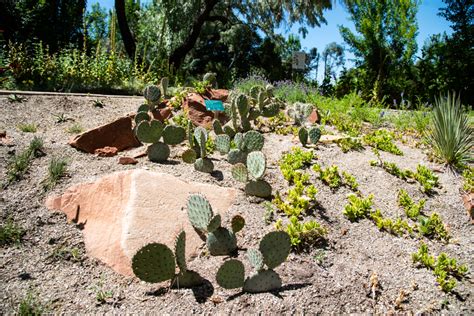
217	94
118	134
123	211
197	113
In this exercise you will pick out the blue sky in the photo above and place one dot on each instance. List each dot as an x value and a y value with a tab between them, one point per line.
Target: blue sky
428	23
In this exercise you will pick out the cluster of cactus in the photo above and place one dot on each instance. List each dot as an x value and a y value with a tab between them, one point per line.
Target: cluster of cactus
300	112
313	134
196	153
153	93
245	143
219	240
156	262
255	169
273	251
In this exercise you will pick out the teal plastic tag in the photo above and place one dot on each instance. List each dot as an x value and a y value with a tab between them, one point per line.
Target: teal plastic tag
214	105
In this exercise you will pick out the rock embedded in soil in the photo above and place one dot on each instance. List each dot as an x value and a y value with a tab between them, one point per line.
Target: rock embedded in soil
117	134
127	160
123	211
106	151
197	113
468	200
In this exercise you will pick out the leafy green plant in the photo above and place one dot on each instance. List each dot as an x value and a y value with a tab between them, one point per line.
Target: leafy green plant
358	208
350	144
18	165
16	98
468	182
28	127
11	233
31	305
412	209
56	170
396	227
101	295
75	128
294	160
63	252
62	118
331	177
451	137
383	140
299	199
433	227
98	103
445	269
303	234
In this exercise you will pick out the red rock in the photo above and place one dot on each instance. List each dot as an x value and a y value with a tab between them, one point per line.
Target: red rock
106	151
118	134
197	113
468	199
217	94
314	117
123	211
162	114
127	161
3	134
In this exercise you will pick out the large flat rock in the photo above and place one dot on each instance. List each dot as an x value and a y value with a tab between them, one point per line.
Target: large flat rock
125	210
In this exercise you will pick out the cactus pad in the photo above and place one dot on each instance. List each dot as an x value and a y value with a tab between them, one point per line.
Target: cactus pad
271	110
141	116
303	135
149	132
180	251
199	211
256	164
152	94
187	279
189	156
154	263
242	105
217	126
239	140
253	114
204	165
214	224
275	247
221	242
239	172
198	131
164	85
314	134
237	223
259	188
158	152
231	274
229	131
173	135
255	258
143	108
236	156
223	143
263	281
253	141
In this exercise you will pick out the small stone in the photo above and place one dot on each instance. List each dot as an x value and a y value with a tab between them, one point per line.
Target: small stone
468	199
127	161
314	117
106	151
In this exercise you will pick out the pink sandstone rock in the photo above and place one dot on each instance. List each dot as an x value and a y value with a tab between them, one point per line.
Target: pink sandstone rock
127	160
197	113
124	211
107	151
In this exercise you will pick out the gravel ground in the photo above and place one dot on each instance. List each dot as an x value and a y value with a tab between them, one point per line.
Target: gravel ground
332	277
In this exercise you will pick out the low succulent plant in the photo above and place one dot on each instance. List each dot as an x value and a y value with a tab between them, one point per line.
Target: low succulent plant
255	168
219	240
273	251
156	262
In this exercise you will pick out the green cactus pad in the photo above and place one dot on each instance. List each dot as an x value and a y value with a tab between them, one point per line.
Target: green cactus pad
231	274
269	88
204	165
189	156
217	126
149	132
214	224
239	140
246	126
158	152
164	85
242	105
237	223
303	135
152	94
173	135
254	91
275	248
154	263
259	188
314	134
144	108
190	134
202	145
141	116
221	242
271	110
229	131
239	172
199	211
261	100
256	164
180	251
187	279
223	143
198	131
236	156
254	113
209	77
253	141
255	258
263	281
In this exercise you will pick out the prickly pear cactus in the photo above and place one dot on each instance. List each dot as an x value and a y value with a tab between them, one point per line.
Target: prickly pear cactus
256	164
221	242
152	94
144	108
154	263
217	126
236	156
164	86
237	223
189	156
187	279
303	135
223	143
149	132
204	165
264	281
300	112
260	188
173	135
239	141
253	141
214	224
314	134
255	258
158	152
180	251
231	274
142	116
275	248
239	172
199	211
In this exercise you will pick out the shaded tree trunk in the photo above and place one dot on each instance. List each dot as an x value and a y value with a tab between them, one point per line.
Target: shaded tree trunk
127	37
178	55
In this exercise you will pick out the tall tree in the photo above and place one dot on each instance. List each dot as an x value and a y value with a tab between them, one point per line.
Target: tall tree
127	36
385	43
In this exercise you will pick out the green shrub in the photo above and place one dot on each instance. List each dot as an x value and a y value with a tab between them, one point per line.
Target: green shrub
30	306
28	127
302	234
383	140
358	208
451	137
56	170
11	233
